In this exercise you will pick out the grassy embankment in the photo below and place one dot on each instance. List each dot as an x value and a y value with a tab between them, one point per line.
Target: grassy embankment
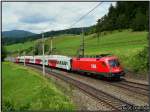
26	89
125	45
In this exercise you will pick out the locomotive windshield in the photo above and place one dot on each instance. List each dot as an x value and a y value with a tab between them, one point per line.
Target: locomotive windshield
114	63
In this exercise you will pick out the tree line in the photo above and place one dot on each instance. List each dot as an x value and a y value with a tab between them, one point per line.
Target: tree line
125	15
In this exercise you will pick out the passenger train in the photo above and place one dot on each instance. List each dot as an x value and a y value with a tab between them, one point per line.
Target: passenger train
105	66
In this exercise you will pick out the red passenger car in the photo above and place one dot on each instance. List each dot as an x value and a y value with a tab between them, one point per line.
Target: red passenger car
38	61
27	60
107	66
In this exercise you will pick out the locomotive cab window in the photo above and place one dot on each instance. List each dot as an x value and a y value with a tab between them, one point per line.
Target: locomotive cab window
114	63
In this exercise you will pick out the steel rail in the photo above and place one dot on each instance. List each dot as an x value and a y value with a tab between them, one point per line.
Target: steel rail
140	85
138	90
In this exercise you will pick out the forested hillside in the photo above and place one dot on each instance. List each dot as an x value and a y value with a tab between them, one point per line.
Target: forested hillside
125	15
16	34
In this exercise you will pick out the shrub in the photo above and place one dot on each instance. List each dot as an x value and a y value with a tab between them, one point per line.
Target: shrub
140	61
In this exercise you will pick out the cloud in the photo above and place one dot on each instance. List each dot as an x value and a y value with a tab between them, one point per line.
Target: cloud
35	18
45	16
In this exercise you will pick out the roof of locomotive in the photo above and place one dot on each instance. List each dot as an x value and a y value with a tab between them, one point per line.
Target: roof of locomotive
96	59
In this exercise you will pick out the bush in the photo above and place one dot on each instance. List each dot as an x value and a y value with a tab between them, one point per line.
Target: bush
140	61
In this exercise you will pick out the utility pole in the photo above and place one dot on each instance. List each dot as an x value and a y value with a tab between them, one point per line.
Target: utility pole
82	42
33	52
43	54
18	52
149	60
24	58
98	39
34	49
149	56
51	44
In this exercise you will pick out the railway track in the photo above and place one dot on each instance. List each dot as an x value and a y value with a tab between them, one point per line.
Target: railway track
135	84
137	88
115	103
134	87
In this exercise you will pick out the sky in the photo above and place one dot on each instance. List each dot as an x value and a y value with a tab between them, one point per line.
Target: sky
40	17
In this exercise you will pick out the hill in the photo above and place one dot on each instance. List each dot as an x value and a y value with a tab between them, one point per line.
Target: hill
20	36
16	34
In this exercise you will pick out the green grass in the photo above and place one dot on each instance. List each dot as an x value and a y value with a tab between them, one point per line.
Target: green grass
122	42
125	44
19	46
119	43
26	89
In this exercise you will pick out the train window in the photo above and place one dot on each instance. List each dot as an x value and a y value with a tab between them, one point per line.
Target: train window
114	63
62	62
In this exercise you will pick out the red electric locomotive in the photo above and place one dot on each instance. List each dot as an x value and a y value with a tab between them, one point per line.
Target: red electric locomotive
107	66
